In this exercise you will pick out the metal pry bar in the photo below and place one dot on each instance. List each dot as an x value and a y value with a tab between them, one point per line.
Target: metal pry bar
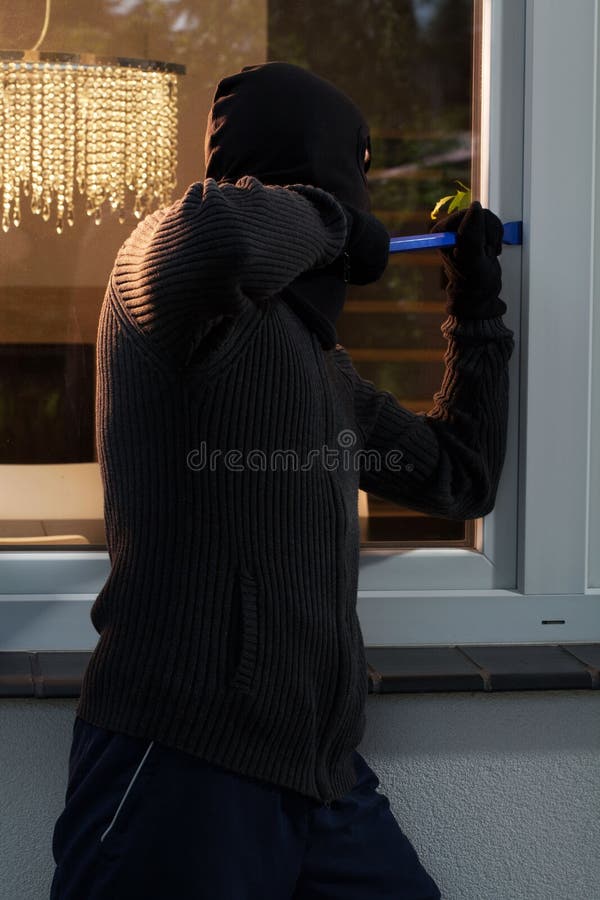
513	234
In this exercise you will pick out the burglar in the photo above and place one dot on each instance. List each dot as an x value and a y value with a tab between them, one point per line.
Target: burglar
214	746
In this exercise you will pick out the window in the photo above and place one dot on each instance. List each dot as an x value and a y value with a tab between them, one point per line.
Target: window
415	86
420	70
547	509
409	64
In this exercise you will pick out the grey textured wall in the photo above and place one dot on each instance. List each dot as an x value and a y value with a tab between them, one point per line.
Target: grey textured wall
500	793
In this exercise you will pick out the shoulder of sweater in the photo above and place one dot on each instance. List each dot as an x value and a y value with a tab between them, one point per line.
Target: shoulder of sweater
199	191
148	225
142	236
142	233
194	194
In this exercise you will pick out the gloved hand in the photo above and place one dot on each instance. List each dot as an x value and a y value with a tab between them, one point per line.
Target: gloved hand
367	247
471	267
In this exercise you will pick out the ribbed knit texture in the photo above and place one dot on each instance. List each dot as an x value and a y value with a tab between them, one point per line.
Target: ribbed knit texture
228	625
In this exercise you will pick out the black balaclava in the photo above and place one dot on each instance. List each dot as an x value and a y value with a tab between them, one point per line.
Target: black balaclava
285	125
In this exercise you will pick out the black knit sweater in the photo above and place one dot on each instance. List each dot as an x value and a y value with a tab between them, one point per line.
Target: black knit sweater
228	624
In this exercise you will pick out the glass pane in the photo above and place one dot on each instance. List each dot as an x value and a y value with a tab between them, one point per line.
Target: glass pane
408	65
51	286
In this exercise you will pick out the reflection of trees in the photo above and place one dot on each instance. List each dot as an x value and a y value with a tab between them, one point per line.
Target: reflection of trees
210	37
405	71
407	64
447	43
368	48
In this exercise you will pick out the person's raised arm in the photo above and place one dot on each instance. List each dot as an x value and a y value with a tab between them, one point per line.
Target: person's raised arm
219	246
447	462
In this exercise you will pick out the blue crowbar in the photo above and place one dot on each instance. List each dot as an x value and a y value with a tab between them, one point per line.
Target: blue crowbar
513	234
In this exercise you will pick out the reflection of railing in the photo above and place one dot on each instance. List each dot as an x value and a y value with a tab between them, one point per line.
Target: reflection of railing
421	166
393	306
392	354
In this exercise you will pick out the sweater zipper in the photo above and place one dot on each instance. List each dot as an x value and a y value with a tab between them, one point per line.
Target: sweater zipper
322	368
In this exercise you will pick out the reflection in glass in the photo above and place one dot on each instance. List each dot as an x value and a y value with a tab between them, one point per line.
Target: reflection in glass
52	286
406	63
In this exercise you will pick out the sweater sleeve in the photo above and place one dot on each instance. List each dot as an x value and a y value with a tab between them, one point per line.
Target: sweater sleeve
218	247
446	462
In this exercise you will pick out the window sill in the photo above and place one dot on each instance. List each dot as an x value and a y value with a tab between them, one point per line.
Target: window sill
392	670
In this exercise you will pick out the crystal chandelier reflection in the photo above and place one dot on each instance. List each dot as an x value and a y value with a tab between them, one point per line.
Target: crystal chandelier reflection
106	127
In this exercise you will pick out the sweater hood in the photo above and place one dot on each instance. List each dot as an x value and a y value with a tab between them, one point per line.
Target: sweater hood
285	125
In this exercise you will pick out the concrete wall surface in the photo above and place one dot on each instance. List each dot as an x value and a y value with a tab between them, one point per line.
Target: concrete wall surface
499	792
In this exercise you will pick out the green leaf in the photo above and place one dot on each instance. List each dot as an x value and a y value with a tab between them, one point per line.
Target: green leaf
456	201
459	200
466	200
462	200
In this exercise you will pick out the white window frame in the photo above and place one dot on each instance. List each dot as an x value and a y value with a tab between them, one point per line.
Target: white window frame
529	583
529	568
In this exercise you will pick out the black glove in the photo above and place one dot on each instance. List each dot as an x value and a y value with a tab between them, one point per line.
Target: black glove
471	267
367	248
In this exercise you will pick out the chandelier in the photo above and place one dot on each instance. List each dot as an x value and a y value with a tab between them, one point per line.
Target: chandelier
103	126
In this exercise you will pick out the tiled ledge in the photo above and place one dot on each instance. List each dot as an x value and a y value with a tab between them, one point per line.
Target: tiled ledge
492	667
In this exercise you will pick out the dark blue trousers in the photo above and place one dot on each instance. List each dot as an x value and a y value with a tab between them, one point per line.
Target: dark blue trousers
145	822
